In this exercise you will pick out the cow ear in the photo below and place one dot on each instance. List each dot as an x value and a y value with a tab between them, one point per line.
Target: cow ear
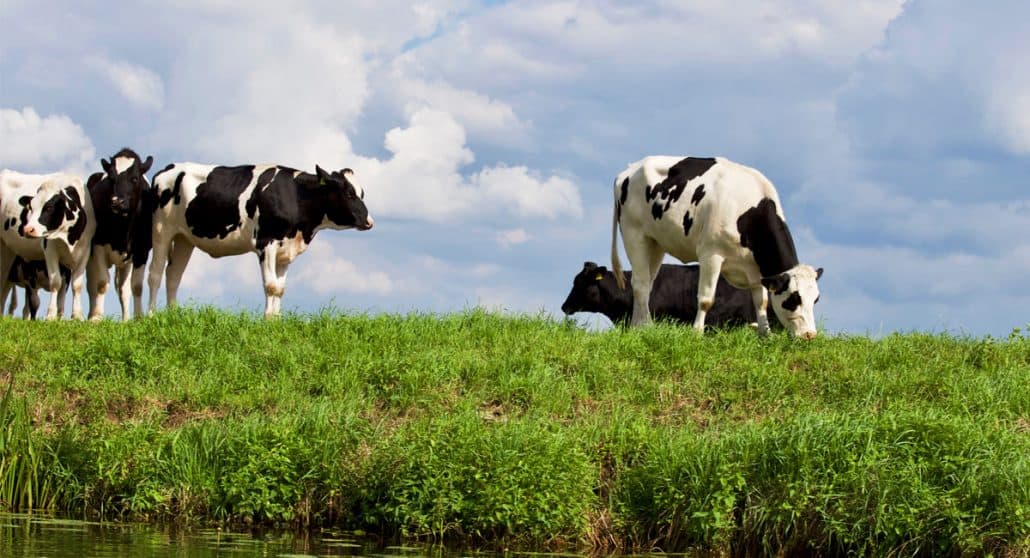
347	172
146	165
777	283
108	167
322	175
24	201
589	265
818	273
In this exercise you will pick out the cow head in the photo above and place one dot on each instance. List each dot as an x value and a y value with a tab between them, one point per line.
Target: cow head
793	295
128	181
587	290
55	209
345	206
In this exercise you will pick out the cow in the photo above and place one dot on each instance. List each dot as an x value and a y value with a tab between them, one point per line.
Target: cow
673	297
271	210
123	205
32	276
47	217
723	215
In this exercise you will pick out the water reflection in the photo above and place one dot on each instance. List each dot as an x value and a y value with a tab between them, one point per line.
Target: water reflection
36	536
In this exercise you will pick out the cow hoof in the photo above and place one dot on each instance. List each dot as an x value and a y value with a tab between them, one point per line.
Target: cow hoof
96	319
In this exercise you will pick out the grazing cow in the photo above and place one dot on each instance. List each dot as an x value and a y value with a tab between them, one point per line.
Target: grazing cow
271	210
60	215
123	204
727	217
673	297
32	276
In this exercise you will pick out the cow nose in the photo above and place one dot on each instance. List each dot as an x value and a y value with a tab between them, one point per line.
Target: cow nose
30	231
369	223
809	335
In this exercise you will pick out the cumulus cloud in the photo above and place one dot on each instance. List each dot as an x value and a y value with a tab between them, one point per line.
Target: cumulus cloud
423	178
140	86
330	273
511	237
32	143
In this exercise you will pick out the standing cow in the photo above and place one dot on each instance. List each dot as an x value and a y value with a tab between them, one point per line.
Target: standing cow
673	297
46	217
123	204
727	217
273	211
32	276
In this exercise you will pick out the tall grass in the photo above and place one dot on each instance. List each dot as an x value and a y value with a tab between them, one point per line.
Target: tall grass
516	430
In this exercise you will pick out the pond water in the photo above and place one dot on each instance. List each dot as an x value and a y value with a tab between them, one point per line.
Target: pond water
36	536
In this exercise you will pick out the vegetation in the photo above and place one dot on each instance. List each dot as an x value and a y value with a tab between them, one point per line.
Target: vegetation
501	430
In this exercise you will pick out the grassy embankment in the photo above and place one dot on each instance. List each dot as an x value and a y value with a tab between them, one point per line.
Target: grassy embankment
517	430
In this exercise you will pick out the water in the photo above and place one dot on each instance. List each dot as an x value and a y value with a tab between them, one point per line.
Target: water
35	536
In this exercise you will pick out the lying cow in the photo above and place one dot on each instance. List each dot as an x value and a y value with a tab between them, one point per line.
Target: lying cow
727	217
673	297
32	276
46	217
272	211
122	203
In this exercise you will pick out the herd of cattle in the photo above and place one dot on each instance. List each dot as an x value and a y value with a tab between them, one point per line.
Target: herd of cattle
725	216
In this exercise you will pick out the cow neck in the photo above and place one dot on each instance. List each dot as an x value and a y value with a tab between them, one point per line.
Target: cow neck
312	204
619	305
767	236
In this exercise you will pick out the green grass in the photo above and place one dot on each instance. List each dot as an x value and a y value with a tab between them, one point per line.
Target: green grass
500	430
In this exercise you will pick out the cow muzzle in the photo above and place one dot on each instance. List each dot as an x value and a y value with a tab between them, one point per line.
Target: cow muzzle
32	232
808	335
368	224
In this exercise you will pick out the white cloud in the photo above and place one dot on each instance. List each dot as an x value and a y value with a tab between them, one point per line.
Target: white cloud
423	178
140	86
32	143
328	273
511	237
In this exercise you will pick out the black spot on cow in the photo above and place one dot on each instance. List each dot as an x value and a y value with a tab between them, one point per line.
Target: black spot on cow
78	212
625	191
699	193
175	194
688	222
214	212
670	189
792	302
54	212
263	181
767	236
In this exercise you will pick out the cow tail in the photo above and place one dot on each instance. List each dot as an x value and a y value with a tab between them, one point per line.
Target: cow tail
616	264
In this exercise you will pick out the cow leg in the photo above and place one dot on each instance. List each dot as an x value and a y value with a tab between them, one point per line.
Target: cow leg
55	308
96	286
31	304
78	277
269	277
6	262
157	268
14	300
181	252
759	297
121	281
642	252
137	290
280	272
707	281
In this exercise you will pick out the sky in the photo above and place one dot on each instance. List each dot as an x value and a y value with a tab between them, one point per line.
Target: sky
487	135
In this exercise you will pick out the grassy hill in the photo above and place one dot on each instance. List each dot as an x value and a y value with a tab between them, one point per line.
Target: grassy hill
500	430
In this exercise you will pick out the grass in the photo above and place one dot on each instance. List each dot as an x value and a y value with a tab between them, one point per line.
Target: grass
516	430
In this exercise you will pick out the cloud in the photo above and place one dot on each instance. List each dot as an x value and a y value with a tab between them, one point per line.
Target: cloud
140	86
32	143
328	273
511	237
423	178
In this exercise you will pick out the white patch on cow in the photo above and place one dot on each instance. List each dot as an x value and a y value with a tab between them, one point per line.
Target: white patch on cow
122	164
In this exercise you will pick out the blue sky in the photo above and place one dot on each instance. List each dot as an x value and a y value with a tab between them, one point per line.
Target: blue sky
487	135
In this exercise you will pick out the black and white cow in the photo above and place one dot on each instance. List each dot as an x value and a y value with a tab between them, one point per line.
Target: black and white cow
273	211
55	218
725	216
673	297
32	276
124	208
